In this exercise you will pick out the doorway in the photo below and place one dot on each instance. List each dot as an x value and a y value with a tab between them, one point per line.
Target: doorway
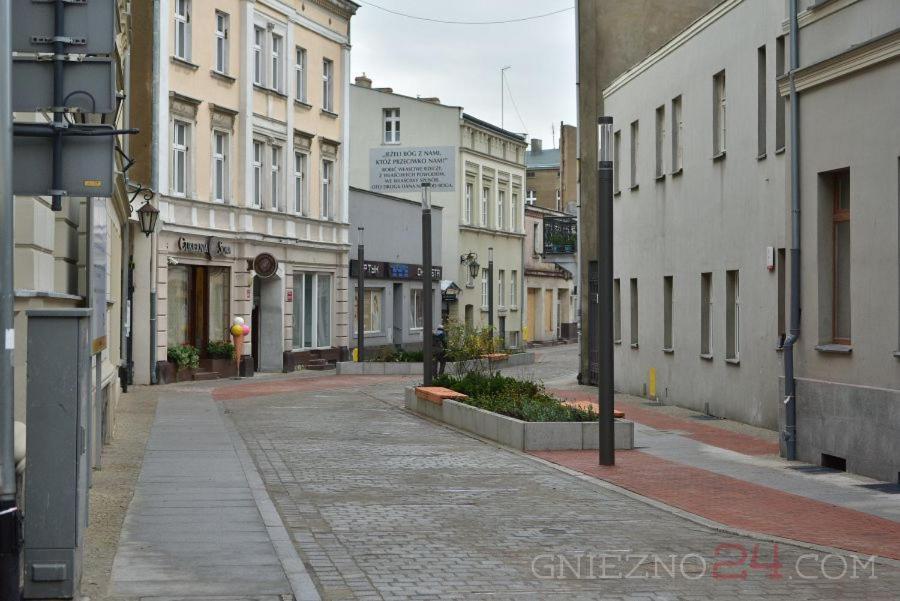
267	327
198	305
470	316
532	314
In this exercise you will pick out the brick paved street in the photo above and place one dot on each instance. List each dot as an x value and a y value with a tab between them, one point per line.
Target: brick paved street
382	504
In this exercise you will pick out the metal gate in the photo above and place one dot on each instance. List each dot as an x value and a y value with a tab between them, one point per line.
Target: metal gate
593	323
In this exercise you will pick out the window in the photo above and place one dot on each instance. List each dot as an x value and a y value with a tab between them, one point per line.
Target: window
782	297
301	198
220	166
327	210
617	311
514	213
513	292
635	131
328	85
617	143
416	309
660	140
277	64
530	197
180	140
677	136
706	301
732	315
468	208
300	73
221	42
634	312
501	288
391	126
199	305
719	114
840	224
183	29
779	101
372	310
312	310
558	200
668	312
484	289
485	192
761	101
536	239
501	208
275	168
258	149
259	66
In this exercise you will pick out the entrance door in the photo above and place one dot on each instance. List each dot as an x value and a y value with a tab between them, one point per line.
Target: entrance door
503	330
548	314
470	315
532	313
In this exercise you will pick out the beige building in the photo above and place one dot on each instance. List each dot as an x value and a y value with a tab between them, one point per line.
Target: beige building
550	302
552	173
246	140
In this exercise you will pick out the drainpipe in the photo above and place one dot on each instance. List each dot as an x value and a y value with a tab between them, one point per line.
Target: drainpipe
154	177
790	384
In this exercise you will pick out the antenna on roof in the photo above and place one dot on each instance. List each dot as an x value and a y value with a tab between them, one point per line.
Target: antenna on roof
553	130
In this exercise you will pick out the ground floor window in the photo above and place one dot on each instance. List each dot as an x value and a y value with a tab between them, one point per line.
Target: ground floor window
373	299
312	310
416	309
198	305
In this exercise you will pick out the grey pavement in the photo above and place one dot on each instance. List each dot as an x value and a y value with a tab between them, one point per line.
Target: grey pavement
382	504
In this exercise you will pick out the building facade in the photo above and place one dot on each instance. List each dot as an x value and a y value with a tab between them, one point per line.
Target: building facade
479	184
393	304
552	174
550	301
249	168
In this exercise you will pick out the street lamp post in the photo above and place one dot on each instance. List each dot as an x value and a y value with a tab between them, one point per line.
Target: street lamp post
606	390
360	296
427	300
491	290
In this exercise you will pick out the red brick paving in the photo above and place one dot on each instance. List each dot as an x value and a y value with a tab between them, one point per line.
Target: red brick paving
269	387
739	504
711	435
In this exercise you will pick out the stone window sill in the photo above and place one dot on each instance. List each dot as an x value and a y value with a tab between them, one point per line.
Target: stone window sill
328	113
271	91
836	349
761	157
619	341
779	150
634	187
897	354
301	104
661	177
183	62
678	172
718	156
668	350
706	356
635	345
733	361
223	76
617	193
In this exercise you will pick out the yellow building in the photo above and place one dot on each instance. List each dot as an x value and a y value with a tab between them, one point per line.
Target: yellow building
246	108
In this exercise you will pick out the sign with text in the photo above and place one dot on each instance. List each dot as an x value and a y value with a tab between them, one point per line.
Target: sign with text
382	270
401	169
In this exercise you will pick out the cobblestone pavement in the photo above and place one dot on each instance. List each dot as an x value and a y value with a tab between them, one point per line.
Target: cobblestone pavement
382	504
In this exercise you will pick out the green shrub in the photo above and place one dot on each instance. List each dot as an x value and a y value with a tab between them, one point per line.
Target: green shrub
220	349
184	356
527	401
389	355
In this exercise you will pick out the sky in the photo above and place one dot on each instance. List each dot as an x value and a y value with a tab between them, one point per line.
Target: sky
460	64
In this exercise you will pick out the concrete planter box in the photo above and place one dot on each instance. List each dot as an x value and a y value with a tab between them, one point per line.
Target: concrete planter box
391	368
525	436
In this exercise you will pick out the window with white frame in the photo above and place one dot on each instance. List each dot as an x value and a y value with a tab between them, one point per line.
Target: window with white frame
220	166
259	65
501	288
312	310
732	315
301	197
327	189
530	197
468	208
558	200
706	310
719	103
617	145
183	29
514	213
277	50
328	85
258	151
484	289
635	133
180	157
221	42
372	310
391	126
416	309
501	208
660	140
275	184
677	136
485	193
536	238
513	289
300	73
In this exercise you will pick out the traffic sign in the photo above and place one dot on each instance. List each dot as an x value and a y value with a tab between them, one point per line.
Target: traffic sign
88	85
90	24
86	171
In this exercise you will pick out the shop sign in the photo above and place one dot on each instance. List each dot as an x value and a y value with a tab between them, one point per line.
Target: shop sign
265	265
212	247
381	270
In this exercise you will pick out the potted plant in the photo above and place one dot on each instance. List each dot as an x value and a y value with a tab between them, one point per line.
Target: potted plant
220	357
186	359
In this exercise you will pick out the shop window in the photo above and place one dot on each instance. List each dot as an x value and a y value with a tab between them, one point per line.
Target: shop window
416	309
312	310
199	305
373	303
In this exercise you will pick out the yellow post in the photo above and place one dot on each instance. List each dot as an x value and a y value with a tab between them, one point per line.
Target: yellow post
651	388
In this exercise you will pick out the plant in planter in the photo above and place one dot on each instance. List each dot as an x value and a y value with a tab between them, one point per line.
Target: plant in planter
184	356
220	349
467	346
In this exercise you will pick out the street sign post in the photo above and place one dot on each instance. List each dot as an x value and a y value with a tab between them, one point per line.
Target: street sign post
86	171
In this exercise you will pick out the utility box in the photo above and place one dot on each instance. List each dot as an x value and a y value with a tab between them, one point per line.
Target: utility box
57	406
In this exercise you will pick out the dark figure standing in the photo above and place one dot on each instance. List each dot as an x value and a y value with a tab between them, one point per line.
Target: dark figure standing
439	344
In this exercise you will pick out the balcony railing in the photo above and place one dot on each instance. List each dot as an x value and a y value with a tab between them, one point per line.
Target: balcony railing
560	235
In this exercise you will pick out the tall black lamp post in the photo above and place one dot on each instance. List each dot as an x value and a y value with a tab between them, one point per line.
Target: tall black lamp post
606	390
491	290
427	296
360	296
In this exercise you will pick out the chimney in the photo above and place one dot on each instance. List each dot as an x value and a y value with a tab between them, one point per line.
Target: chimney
535	146
363	81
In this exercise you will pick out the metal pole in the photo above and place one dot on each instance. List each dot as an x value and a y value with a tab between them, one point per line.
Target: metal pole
59	51
157	185
491	290
790	401
427	296
503	95
9	515
360	297
605	381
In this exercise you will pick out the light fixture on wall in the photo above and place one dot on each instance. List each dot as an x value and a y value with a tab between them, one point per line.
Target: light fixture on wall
148	215
470	259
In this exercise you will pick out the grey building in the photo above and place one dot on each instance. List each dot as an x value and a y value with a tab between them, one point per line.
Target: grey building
394	303
702	211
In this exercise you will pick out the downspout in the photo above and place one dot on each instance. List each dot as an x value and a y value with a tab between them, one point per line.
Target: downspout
154	177
790	384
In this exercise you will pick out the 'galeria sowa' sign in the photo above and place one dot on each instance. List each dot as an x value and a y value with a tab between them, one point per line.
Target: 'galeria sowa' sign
403	169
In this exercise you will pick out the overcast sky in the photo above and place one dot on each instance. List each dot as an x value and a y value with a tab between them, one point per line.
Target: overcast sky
461	64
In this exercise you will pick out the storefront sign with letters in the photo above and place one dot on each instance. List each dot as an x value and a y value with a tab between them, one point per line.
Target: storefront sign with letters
212	247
